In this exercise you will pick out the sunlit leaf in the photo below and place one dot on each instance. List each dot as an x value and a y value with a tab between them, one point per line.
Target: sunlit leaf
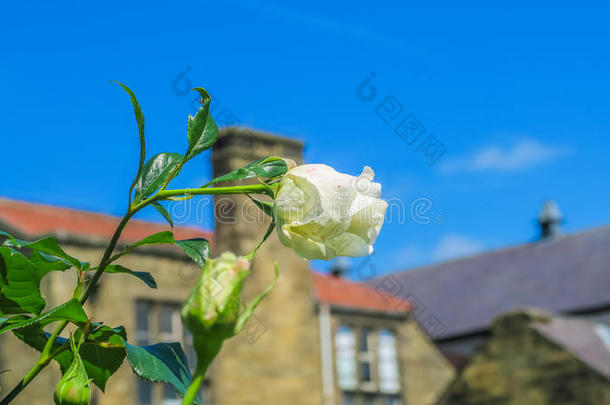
155	172
140	121
201	129
159	238
70	311
267	168
197	249
50	246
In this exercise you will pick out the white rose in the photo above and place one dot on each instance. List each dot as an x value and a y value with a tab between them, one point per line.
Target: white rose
321	213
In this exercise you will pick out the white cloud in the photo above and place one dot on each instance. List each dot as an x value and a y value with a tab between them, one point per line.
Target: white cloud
452	246
522	155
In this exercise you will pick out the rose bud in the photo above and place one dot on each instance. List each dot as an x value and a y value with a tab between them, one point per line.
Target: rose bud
73	387
213	307
214	311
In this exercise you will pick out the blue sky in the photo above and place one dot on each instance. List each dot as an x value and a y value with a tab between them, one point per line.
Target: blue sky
517	94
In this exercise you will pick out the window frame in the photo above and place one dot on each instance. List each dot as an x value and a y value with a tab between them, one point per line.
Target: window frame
363	388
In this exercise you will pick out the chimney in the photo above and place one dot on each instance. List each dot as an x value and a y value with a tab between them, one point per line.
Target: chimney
550	219
340	267
285	326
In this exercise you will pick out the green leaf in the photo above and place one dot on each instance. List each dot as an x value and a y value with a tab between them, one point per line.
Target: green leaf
197	249
3	272
201	129
269	167
265	206
10	239
20	289
46	263
159	238
155	172
162	362
163	213
245	316
142	275
102	353
70	311
50	246
140	121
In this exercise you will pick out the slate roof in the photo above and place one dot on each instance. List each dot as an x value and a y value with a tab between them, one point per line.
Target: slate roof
565	274
585	340
35	220
343	293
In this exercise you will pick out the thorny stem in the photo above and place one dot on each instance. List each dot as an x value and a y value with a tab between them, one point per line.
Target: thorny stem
47	354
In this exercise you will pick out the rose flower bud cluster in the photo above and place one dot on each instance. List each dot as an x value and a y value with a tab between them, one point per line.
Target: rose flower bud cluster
321	213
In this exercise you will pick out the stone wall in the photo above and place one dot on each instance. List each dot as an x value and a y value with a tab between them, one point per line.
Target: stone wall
518	366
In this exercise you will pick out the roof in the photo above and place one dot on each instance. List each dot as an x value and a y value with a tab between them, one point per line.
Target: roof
343	293
34	220
565	274
587	341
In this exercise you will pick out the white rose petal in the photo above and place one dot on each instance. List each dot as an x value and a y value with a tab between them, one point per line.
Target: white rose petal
321	213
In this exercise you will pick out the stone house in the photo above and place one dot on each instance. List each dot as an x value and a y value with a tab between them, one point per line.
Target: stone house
535	358
566	274
316	339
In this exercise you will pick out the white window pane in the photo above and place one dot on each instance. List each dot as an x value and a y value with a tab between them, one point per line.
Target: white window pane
388	364
345	346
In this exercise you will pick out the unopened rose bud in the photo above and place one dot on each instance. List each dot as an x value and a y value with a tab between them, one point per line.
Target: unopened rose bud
73	388
290	164
213	307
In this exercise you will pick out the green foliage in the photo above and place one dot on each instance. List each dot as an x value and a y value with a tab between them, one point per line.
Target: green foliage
95	351
161	210
140	121
201	129
197	249
70	311
46	263
161	362
51	247
266	168
146	277
20	284
159	238
156	172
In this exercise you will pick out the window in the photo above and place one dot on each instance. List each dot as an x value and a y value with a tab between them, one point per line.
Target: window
387	362
160	322
367	366
345	344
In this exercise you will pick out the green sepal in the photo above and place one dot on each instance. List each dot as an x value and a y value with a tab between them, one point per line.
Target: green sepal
249	310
